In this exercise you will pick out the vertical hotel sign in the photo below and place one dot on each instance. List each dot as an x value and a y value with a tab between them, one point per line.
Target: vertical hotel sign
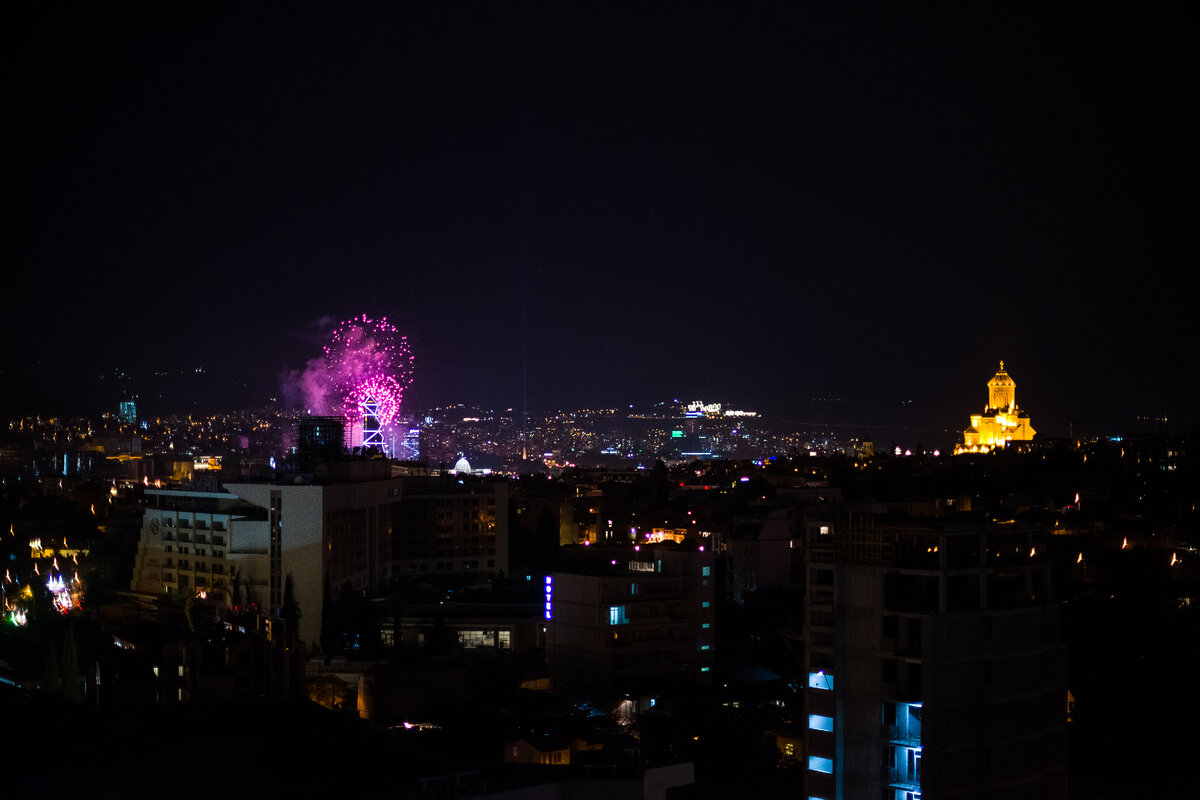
549	587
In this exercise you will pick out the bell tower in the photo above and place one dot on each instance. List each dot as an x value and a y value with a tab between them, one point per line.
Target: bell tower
1002	391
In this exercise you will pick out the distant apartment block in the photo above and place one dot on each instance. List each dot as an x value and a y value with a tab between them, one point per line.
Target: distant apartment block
631	620
759	551
197	542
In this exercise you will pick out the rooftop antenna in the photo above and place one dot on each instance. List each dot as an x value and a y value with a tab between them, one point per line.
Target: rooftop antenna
525	246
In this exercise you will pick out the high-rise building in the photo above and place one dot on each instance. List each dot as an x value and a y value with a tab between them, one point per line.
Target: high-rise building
935	662
319	439
1001	422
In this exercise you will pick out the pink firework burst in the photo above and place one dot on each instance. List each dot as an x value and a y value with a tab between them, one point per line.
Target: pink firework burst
381	390
369	362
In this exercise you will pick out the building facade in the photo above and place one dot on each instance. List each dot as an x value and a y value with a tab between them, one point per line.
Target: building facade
356	529
631	620
936	666
198	543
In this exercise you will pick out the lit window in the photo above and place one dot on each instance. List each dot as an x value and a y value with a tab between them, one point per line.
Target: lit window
706	625
820	680
616	615
820	764
705	669
818	722
706	571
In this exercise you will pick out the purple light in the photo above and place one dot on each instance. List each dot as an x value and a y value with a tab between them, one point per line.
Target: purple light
368	363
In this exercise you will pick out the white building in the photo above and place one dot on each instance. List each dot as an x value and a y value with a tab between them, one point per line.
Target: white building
355	528
198	542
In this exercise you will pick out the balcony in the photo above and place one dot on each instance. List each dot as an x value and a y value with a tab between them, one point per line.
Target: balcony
902	736
903	779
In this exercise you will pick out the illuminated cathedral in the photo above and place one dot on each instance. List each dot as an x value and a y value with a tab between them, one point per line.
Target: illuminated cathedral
1001	422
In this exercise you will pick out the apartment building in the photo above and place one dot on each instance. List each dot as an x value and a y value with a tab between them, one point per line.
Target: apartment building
936	666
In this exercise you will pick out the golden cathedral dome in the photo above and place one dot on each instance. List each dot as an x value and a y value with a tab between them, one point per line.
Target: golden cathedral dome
1001	421
1002	378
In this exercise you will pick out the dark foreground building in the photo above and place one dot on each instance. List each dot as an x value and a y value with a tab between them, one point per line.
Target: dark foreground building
936	667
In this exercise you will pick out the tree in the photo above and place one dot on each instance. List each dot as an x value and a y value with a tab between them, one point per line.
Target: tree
328	628
189	611
70	668
237	592
290	610
327	691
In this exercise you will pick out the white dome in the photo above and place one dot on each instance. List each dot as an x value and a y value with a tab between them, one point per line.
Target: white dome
463	465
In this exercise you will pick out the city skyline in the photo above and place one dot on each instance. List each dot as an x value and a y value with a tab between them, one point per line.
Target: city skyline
561	208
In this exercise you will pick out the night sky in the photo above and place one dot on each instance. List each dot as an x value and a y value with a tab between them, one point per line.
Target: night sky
828	214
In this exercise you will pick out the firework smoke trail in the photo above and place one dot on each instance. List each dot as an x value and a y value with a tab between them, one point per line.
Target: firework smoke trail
365	360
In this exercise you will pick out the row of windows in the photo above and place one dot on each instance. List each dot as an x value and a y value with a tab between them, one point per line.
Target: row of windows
617	614
200	551
199	566
199	524
448	566
486	638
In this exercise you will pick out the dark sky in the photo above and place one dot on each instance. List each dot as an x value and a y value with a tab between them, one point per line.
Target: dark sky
757	203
